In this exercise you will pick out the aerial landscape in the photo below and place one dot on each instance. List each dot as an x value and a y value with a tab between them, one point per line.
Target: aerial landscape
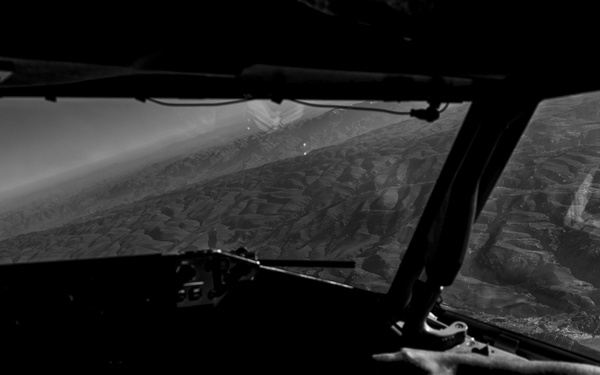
349	185
341	185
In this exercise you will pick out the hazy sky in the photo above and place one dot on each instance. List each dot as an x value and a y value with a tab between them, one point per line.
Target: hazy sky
39	139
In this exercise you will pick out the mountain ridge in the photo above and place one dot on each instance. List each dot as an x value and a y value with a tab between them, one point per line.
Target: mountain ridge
180	169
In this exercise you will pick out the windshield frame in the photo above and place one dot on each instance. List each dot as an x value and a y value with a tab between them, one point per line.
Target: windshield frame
502	134
507	113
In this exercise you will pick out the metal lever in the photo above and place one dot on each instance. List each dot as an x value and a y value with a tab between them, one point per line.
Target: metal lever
418	333
431	338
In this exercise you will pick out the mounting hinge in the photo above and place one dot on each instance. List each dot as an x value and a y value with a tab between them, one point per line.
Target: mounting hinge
505	343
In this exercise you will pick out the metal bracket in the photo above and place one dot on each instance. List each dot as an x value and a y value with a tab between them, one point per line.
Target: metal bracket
431	338
208	275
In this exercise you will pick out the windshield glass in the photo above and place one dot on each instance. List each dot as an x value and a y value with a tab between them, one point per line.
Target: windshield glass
102	178
533	258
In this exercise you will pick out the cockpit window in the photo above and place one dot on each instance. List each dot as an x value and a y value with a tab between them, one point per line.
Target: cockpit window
103	178
534	254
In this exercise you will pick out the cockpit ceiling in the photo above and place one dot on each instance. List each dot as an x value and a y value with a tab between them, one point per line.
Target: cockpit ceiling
404	46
